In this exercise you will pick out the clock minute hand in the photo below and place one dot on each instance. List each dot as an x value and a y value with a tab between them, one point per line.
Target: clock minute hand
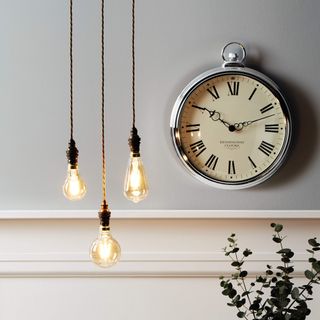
241	125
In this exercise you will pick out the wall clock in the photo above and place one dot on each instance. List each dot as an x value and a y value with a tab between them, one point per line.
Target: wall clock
231	126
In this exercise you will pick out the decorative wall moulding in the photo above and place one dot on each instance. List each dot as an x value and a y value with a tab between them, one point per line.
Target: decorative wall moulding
135	264
162	214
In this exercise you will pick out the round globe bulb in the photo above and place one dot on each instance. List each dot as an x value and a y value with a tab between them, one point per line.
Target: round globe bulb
105	250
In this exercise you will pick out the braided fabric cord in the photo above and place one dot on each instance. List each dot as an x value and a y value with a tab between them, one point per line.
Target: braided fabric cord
71	66
133	64
102	106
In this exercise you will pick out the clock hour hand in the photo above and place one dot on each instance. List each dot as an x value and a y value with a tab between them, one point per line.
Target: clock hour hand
215	116
240	125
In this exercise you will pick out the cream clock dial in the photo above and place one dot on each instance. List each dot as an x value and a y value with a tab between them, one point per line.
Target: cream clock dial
231	126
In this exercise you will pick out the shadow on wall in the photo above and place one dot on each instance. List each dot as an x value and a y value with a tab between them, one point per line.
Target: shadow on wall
305	128
305	135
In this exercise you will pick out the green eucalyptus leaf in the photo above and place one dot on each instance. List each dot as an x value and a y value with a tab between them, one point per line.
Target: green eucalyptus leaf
241	314
235	263
245	293
313	242
240	303
310	251
272	225
243	274
309	274
226	292
247	252
278	227
316	266
285	250
276	239
231	240
236	298
295	293
232	293
285	259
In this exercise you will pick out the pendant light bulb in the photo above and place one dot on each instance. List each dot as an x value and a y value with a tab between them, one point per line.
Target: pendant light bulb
136	184
105	250
74	187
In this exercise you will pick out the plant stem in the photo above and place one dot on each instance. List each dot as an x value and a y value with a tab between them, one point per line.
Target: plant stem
303	290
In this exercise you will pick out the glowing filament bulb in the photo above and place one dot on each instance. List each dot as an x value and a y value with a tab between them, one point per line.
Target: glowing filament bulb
135	184
74	187
105	250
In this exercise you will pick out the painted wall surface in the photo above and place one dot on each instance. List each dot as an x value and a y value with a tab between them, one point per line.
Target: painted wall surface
175	41
169	267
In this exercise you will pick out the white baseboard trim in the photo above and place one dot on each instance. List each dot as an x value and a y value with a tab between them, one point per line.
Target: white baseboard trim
146	264
162	214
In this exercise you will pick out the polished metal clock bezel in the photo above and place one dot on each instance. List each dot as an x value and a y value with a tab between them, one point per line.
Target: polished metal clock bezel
231	69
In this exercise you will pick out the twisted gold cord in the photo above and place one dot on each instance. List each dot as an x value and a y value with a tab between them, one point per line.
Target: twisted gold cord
133	64
71	68
102	105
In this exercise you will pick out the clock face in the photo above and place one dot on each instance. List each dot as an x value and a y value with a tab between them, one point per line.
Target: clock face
232	129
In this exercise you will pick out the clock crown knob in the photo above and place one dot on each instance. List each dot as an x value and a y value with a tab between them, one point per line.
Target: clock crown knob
233	54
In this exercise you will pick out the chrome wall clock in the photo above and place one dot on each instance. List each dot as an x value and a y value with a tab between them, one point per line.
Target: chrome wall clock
231	126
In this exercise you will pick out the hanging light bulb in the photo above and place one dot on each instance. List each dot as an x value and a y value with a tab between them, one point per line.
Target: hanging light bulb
74	187
136	183
105	250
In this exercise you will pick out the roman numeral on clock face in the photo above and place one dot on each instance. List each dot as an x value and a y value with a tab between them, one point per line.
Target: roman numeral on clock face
253	92
192	127
231	167
213	91
212	162
251	161
266	148
198	147
233	88
266	108
273	128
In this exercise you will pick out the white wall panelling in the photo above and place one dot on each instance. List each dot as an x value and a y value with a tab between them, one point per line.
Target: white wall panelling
170	267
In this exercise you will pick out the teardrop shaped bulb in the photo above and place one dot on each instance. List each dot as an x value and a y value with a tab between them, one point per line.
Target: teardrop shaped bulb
74	187
105	250
135	184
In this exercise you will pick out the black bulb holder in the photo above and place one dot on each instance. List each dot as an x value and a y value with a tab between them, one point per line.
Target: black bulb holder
104	215
134	142
72	153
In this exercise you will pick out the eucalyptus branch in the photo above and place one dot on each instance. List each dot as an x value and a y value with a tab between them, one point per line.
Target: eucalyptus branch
285	301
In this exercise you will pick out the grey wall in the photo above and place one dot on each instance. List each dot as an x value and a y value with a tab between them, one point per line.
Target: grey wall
176	40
